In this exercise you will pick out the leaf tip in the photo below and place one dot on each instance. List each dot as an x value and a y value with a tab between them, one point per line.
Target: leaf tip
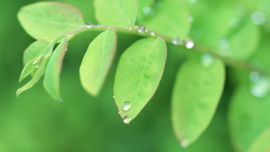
184	143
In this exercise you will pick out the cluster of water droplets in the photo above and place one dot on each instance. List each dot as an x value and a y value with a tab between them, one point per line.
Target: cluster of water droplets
260	85
126	107
189	44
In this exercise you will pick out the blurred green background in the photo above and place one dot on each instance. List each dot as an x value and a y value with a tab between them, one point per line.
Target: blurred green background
36	123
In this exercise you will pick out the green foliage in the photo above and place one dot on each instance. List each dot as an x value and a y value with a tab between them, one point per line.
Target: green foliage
196	94
97	62
52	75
262	143
116	12
138	75
231	36
50	20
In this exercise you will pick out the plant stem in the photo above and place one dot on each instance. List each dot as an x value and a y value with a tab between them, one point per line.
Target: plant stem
142	31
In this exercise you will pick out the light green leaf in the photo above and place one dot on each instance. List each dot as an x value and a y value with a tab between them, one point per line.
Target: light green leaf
248	116
29	69
50	20
244	42
145	9
171	18
52	74
116	12
36	50
36	77
262	143
138	75
33	56
97	62
197	91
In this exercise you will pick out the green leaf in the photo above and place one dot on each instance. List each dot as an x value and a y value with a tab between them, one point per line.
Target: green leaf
29	69
138	75
97	62
36	50
249	35
116	12
197	91
262	143
171	18
33	56
37	75
145	9
248	116
52	74
50	20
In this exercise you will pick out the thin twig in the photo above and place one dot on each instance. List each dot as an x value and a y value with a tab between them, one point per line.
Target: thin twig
142	31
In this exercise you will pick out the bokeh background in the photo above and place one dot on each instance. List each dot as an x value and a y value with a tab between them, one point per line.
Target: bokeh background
36	123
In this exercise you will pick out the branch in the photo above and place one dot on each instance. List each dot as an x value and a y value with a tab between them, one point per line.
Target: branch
188	44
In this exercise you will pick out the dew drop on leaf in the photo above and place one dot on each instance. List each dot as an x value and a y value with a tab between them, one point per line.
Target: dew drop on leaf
141	29
190	18
89	25
176	41
260	88
147	10
207	60
185	143
258	18
126	106
189	44
126	120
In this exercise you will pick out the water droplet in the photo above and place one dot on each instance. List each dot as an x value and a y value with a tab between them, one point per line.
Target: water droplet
189	44
176	41
113	97
126	106
89	25
152	33
192	1
147	10
127	120
190	19
254	76
207	60
141	29
261	88
185	143
224	46
258	17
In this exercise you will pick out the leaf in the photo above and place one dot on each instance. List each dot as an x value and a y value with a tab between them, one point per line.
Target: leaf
36	50
171	18
97	62
138	75
52	74
197	91
262	143
248	117
116	12
145	9
33	56
244	42
36	77
50	20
